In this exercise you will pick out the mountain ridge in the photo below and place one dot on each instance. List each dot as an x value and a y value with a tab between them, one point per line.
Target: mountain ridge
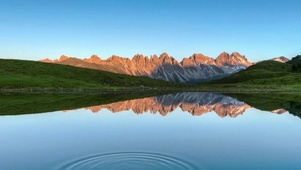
196	68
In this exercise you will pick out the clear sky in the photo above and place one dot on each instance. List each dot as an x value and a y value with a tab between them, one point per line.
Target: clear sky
259	29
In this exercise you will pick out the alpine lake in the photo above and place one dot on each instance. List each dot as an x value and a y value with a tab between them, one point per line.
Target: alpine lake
187	130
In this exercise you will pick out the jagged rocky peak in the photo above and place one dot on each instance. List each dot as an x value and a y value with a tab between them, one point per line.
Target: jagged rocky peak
199	58
225	59
154	57
240	59
113	57
224	55
222	59
63	57
164	57
138	58
141	60
93	59
237	56
281	59
46	60
187	62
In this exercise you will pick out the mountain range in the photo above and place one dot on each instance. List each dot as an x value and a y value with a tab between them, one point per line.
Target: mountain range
196	68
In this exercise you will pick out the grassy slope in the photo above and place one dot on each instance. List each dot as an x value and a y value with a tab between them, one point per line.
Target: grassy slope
266	74
16	74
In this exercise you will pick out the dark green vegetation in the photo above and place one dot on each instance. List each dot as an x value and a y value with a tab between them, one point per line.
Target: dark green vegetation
263	75
270	102
30	103
296	62
20	74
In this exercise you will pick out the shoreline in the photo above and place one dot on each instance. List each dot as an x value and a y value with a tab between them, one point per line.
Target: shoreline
143	90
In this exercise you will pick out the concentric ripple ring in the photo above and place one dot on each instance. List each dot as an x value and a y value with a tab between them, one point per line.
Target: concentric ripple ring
128	160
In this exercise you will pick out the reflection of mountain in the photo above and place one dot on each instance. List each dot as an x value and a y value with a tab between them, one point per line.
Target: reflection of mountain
279	111
196	103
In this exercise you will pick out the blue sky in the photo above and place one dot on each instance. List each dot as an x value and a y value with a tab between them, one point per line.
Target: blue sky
259	29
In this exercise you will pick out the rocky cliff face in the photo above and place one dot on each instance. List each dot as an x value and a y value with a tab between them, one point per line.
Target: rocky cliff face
196	68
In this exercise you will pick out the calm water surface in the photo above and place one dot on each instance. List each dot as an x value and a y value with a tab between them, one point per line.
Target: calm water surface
180	131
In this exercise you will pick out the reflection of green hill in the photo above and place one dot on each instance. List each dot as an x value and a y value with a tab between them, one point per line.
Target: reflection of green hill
17	104
295	108
269	102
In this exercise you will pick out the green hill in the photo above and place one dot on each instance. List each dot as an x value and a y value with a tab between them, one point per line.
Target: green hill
20	74
296	59
296	62
266	74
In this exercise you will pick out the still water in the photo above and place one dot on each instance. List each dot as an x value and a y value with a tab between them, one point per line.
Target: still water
176	131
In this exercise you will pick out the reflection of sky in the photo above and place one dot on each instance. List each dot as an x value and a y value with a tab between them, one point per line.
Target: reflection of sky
253	140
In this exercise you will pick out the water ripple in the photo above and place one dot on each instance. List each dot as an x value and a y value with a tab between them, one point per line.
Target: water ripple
128	160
